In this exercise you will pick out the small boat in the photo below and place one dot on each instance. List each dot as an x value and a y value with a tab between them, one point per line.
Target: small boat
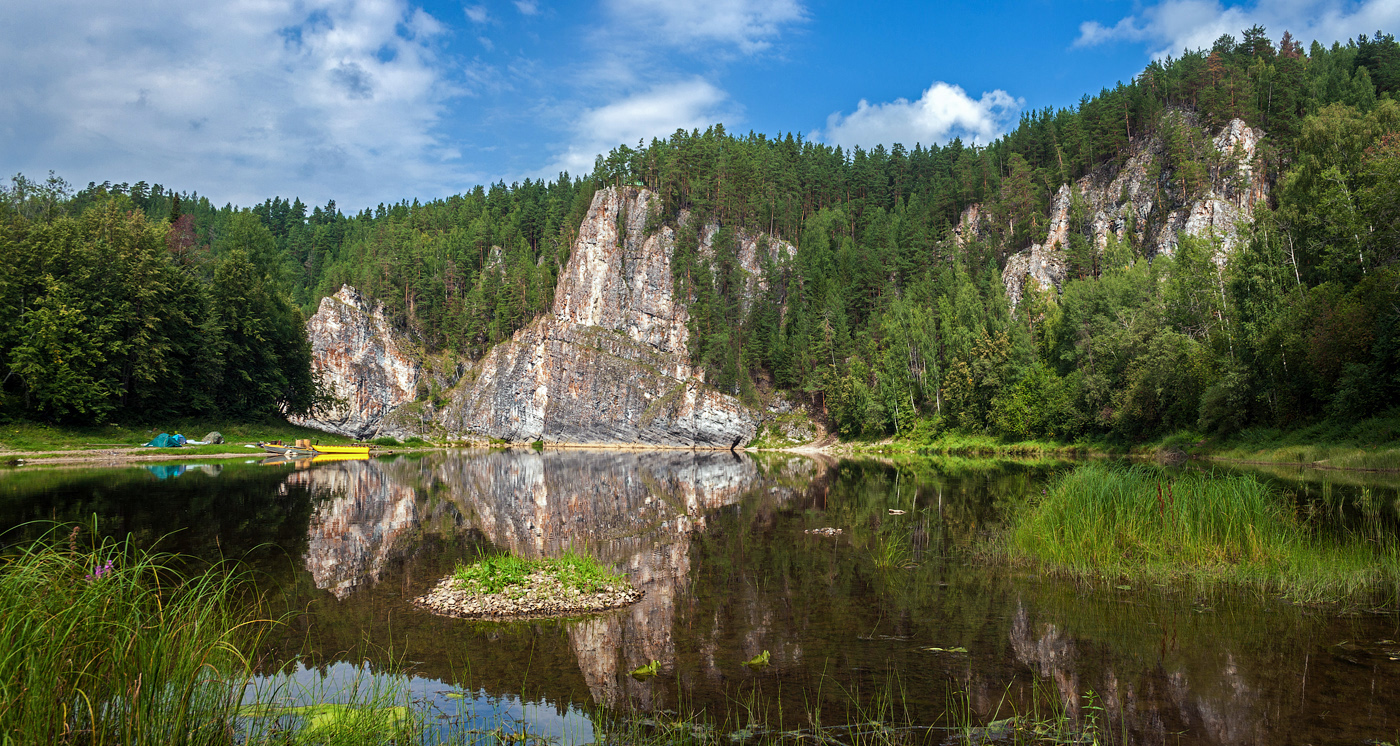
277	449
342	449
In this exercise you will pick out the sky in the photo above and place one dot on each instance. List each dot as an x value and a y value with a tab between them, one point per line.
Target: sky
378	101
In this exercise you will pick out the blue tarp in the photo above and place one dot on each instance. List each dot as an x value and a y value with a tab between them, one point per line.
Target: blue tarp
165	440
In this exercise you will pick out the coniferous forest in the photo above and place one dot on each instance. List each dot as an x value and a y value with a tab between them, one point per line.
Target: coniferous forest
126	301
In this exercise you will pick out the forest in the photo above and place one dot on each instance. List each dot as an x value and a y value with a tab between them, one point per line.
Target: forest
130	301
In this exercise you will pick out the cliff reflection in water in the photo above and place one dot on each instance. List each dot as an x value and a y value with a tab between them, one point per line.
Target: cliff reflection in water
365	511
717	543
635	511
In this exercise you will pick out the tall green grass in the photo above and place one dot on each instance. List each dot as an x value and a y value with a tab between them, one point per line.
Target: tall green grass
494	573
1104	520
113	645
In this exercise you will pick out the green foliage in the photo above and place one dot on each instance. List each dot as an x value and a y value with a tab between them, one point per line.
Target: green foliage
114	316
112	645
495	573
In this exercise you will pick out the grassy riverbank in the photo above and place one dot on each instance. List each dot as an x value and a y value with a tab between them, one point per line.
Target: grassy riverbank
1372	444
1107	521
113	645
22	438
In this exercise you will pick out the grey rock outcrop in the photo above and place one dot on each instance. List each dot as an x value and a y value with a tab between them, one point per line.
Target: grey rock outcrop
364	360
610	363
1142	202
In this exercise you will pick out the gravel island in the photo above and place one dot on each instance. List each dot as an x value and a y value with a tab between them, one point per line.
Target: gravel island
542	590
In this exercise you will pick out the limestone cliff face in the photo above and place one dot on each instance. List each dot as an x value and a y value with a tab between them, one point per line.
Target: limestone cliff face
610	362
1146	203
365	362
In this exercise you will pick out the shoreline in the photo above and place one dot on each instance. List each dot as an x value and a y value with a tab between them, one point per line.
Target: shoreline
826	448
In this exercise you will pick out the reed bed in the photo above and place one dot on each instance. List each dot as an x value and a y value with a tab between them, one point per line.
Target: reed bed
1106	520
109	644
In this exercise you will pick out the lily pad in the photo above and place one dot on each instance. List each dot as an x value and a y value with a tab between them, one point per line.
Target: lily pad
321	720
758	661
647	671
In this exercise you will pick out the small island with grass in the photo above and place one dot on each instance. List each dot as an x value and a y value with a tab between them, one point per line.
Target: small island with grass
502	586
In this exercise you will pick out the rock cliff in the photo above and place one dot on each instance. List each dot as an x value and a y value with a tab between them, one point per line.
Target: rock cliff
365	362
610	362
1146	200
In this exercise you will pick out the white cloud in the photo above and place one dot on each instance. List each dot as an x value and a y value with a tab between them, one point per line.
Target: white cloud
1174	25
240	101
475	13
943	112
656	112
750	25
527	7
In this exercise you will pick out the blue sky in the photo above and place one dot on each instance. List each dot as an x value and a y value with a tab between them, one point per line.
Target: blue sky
368	101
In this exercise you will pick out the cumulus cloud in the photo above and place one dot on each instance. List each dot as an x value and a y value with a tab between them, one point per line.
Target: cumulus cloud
527	7
655	112
943	112
243	100
1173	25
749	25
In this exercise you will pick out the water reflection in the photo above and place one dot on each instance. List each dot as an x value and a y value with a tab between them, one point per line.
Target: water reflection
364	510
718	544
636	511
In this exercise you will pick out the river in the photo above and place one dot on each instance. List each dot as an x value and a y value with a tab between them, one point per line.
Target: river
900	601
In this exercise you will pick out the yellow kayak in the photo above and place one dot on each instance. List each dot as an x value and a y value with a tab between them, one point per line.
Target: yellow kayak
345	450
322	458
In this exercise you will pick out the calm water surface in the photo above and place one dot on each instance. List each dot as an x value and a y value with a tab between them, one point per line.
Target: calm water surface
717	541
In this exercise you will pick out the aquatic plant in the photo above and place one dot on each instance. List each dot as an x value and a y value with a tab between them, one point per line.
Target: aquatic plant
1104	520
759	661
114	645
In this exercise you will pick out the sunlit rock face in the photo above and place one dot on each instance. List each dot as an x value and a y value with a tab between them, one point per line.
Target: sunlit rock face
1145	200
355	531
610	362
365	362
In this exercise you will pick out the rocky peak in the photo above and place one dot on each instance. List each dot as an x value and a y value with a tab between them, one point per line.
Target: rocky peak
1144	201
619	277
363	359
610	363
